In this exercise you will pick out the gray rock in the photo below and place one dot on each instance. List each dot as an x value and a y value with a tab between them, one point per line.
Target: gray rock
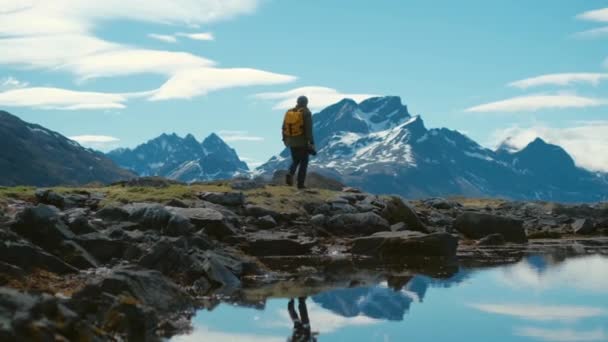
112	213
103	248
259	211
77	220
178	225
583	227
276	244
399	227
478	225
224	198
397	245
219	271
492	240
357	224
212	221
441	203
42	225
397	210
266	222
318	220
149	215
29	257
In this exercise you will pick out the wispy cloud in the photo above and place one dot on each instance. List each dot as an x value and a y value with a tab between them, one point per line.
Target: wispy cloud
563	79
586	142
319	97
163	37
99	142
63	39
232	136
542	312
585	275
10	82
532	103
56	98
202	333
593	33
186	84
562	335
205	36
600	15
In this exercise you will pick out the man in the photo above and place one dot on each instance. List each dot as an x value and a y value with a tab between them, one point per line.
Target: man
297	135
301	324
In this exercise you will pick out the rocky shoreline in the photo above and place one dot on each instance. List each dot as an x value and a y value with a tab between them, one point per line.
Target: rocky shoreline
75	265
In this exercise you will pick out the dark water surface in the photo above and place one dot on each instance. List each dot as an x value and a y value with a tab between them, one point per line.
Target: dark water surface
537	299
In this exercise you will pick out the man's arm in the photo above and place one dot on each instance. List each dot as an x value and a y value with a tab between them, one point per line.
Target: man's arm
308	127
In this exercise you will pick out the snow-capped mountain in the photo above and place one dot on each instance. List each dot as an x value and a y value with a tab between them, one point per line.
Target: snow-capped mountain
183	159
34	155
379	146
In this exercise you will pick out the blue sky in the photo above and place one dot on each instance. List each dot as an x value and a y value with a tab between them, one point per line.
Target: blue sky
119	73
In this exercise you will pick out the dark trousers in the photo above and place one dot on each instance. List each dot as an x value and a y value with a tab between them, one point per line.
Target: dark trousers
299	162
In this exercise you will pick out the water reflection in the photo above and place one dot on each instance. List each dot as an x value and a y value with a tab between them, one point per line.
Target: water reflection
541	298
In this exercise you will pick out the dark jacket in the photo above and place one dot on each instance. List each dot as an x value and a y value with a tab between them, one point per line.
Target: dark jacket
307	138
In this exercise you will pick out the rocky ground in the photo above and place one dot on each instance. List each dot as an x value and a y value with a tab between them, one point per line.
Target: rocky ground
135	260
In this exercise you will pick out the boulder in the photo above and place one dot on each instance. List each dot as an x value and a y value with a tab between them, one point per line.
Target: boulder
266	222
30	317
77	220
318	220
29	257
49	197
276	244
103	248
492	240
441	203
149	215
112	213
478	225
42	225
398	245
356	224
170	259
399	227
259	211
178	225
231	199
583	227
397	210
149	287
212	221
218	272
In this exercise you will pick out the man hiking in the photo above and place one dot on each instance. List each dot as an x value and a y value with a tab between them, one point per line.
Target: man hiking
297	135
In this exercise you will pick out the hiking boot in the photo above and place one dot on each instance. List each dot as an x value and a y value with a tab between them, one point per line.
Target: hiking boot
289	179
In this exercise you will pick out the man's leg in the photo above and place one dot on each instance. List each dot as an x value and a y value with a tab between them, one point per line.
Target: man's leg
295	161
303	167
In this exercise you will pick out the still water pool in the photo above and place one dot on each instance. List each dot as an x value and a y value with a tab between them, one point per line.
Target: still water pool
537	299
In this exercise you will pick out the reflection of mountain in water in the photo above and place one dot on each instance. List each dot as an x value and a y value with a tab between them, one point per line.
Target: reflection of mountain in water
382	302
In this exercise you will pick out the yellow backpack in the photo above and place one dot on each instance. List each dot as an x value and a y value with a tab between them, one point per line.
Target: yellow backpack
293	124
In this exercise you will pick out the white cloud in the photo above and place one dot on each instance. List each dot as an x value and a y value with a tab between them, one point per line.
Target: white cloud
562	335
100	139
231	136
531	103
542	312
318	97
55	98
10	82
593	33
186	84
202	333
325	321
564	79
205	36
600	15
586	142
163	37
98	142
588	274
63	40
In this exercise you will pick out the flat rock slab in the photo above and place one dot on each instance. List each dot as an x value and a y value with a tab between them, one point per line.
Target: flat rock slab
357	224
396	245
277	244
478	225
213	221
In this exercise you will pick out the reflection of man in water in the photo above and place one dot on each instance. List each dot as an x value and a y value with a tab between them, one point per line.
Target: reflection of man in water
301	324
